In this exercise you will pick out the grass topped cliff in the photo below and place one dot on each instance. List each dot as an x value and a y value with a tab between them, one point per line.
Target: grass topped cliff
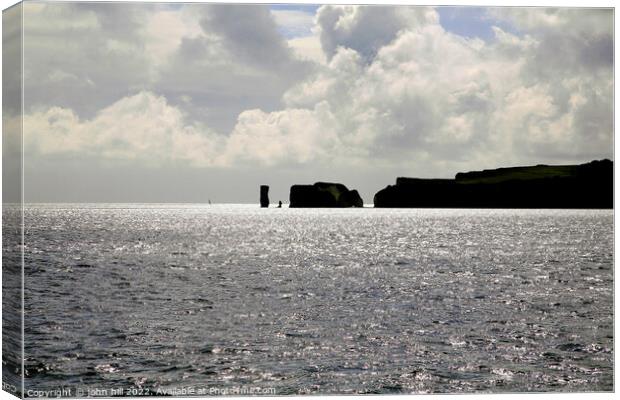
541	171
516	173
587	185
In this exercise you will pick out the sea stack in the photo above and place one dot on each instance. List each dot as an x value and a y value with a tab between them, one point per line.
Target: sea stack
324	194
264	196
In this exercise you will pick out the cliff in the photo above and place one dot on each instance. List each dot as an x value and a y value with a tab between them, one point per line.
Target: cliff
542	186
324	194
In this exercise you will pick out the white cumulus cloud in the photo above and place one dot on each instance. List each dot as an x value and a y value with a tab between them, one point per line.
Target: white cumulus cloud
141	127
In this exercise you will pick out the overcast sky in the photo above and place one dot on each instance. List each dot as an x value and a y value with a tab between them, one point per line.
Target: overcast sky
138	102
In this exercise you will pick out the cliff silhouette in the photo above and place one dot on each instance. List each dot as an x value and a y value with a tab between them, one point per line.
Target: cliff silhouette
587	185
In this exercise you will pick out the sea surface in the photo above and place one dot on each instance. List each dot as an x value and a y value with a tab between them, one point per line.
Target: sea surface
154	299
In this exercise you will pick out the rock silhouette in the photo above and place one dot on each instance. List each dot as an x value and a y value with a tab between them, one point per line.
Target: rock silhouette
324	194
264	196
542	186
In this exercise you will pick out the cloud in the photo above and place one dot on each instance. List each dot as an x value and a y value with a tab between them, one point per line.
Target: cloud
238	62
249	33
83	56
308	48
165	30
366	29
225	58
388	87
571	21
293	23
421	93
12	41
142	127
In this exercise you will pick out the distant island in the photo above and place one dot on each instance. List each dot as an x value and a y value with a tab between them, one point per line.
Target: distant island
542	186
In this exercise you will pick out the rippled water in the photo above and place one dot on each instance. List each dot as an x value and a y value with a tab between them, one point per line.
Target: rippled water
319	301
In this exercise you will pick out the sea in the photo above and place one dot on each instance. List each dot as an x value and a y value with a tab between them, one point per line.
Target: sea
187	299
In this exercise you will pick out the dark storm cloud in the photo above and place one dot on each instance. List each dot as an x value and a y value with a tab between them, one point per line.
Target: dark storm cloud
249	33
239	62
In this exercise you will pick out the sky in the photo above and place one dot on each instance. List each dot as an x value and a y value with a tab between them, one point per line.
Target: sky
152	102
